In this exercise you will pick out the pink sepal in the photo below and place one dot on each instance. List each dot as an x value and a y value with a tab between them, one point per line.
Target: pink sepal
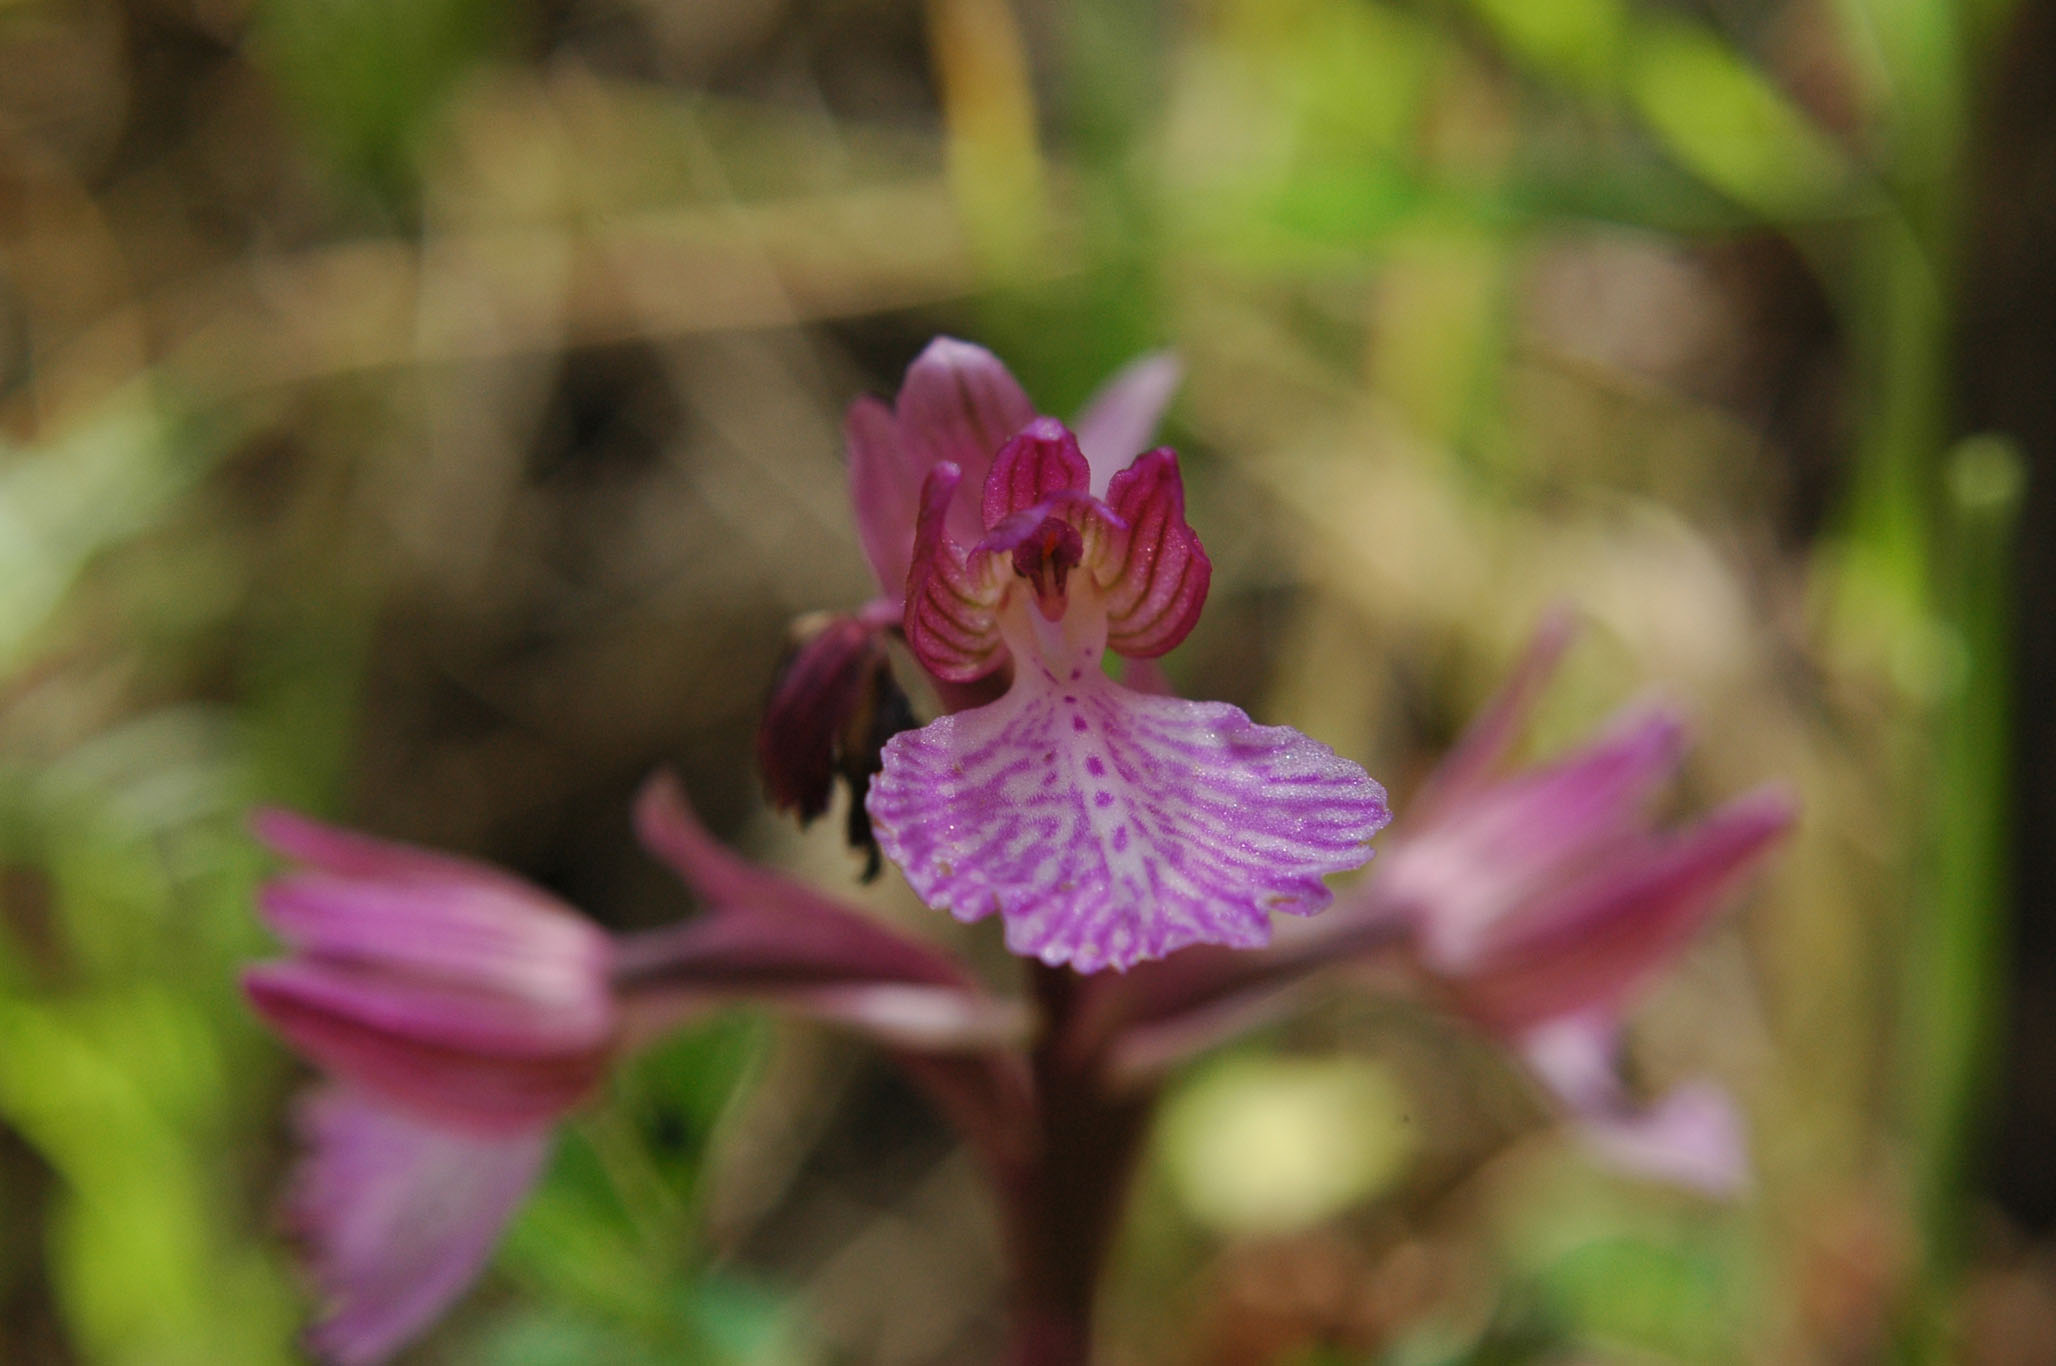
443	985
767	937
1471	867
1590	943
468	1065
949	620
1154	573
1121	418
958	404
398	1217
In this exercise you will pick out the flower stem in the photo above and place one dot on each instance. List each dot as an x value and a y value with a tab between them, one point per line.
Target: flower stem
1061	1206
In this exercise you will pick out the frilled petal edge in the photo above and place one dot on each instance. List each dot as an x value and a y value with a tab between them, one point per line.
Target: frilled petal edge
1107	827
398	1217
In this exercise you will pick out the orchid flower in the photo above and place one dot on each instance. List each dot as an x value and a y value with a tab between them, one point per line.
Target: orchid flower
1104	825
1540	901
461	1014
835	702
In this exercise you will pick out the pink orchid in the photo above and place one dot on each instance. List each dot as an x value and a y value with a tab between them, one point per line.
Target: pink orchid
835	702
463	1013
1541	900
1105	826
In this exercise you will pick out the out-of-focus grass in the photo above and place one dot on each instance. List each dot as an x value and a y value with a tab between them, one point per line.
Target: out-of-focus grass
427	413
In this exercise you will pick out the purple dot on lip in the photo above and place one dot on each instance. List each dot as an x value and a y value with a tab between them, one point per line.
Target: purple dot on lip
1078	723
1095	766
1070	700
1120	839
1102	799
1077	674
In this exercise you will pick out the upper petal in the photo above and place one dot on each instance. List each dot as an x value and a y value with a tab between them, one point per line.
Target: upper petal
489	936
1107	827
1119	420
398	1217
1154	572
959	404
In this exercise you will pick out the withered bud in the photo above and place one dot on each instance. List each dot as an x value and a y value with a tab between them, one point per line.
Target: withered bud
834	703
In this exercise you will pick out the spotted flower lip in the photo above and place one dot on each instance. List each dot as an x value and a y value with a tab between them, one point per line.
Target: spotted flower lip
1103	825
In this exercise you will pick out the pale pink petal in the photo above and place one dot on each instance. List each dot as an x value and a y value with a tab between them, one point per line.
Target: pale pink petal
1155	573
398	1218
1592	942
1692	1137
959	404
1107	827
1120	420
1041	461
950	616
885	489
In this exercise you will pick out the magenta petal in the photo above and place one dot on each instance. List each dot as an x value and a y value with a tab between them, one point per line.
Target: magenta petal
885	489
464	1064
1120	419
1106	827
398	1217
764	927
1043	460
959	404
495	934
950	616
1156	574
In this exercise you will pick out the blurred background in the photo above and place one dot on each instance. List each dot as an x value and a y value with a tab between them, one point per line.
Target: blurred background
426	413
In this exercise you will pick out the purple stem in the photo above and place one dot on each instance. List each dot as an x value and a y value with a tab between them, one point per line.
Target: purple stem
1061	1207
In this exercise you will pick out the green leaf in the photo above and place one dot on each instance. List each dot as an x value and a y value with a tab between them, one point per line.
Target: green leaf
1728	125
